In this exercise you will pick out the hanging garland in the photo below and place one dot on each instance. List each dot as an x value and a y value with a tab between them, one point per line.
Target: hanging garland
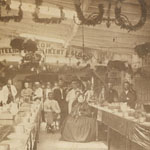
8	18
17	43
142	50
52	20
30	46
38	2
83	56
120	65
92	19
6	4
124	22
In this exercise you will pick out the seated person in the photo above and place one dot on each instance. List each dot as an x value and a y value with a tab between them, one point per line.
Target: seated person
79	126
37	92
128	95
51	111
26	93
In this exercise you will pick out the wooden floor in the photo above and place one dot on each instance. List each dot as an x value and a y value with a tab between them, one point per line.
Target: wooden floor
52	142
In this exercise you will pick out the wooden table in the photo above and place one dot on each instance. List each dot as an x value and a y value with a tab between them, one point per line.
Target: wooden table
30	141
129	128
7	118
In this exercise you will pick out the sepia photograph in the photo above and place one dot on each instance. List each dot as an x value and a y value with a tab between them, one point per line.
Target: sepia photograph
74	74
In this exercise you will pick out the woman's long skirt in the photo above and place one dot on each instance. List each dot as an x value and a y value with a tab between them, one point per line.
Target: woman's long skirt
81	129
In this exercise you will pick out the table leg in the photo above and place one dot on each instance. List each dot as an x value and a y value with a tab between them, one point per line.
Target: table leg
130	148
97	132
108	138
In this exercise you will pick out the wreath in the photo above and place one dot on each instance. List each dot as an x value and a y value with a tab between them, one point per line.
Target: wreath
142	50
30	45
83	56
124	22
92	19
17	43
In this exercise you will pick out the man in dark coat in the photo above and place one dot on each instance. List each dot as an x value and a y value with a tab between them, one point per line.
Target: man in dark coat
60	97
111	94
128	95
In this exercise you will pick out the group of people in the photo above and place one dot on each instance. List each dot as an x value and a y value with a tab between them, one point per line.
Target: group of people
109	95
66	107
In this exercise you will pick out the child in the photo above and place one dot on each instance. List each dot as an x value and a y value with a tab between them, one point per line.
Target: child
51	110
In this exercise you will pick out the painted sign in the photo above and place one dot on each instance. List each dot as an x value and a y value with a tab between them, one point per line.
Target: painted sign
7	50
51	49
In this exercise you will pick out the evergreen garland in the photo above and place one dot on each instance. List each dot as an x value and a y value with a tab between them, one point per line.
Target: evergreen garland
52	20
93	19
124	22
17	18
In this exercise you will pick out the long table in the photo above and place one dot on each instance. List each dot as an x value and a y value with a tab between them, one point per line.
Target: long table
132	130
29	137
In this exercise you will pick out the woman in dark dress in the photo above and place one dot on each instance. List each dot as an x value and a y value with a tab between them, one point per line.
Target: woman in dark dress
79	126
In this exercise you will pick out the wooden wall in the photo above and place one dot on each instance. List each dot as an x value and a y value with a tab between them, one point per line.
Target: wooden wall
142	87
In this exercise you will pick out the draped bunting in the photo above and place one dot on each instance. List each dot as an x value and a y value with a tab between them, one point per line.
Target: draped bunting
139	134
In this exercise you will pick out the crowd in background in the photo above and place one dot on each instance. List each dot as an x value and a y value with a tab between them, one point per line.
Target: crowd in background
109	95
66	106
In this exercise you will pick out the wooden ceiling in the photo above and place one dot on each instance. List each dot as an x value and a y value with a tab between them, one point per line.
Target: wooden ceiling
98	37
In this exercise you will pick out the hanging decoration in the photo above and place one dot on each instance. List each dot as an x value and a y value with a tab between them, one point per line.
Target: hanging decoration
120	19
143	50
31	57
92	19
17	43
38	2
6	4
123	20
120	66
30	46
83	56
52	20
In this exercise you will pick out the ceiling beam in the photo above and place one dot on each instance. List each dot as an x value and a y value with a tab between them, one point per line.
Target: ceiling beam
85	4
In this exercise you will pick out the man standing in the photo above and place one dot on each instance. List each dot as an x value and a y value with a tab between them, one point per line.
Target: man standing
60	97
26	93
37	92
10	92
72	95
111	94
128	95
